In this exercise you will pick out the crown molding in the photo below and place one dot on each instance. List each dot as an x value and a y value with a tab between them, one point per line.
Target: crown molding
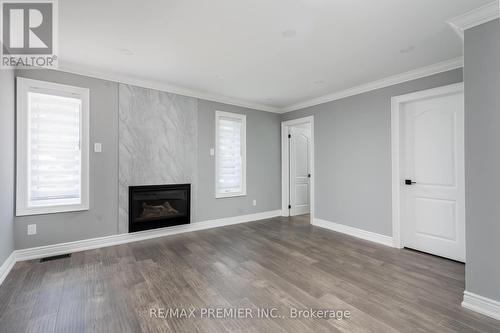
383	83
475	17
169	88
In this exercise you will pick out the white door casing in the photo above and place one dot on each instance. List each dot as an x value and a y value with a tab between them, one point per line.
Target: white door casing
300	141
285	167
431	154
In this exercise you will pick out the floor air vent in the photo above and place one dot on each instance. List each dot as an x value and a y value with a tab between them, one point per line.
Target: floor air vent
62	256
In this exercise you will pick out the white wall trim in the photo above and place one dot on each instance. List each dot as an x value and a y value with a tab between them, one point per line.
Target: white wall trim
171	88
355	232
51	250
475	17
482	305
161	86
7	266
379	84
284	164
397	181
95	243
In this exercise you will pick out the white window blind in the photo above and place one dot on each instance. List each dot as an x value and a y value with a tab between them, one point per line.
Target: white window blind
52	148
230	154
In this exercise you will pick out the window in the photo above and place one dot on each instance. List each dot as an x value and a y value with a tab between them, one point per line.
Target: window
52	148
230	154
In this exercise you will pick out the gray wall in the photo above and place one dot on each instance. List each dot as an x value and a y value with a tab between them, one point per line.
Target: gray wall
482	159
263	167
263	163
102	218
352	161
353	154
6	163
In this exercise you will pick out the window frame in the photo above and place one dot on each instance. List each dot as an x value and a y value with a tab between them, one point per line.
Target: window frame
243	149
25	86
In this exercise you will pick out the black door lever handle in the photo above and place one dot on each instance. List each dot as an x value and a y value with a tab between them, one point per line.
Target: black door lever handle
409	182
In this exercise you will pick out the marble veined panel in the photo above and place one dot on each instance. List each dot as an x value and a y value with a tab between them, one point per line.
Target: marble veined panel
158	142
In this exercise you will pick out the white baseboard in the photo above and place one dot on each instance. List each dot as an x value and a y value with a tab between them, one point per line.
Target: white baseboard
94	243
355	232
7	266
482	305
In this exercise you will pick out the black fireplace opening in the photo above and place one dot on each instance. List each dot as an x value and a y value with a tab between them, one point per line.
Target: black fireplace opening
158	206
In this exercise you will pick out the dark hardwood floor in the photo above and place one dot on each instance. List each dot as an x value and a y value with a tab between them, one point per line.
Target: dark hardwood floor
277	263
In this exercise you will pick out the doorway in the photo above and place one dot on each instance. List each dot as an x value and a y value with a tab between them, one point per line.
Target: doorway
428	171
297	167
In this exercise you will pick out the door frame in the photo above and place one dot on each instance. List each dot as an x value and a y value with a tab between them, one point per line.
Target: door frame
285	177
396	109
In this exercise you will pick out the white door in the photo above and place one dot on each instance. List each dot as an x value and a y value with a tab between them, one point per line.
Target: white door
433	206
300	141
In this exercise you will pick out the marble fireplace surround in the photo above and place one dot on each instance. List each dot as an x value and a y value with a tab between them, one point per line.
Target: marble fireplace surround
158	143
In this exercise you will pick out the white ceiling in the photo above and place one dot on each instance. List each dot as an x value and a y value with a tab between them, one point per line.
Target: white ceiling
265	53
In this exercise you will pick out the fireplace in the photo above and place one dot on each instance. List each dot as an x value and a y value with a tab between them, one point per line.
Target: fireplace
158	206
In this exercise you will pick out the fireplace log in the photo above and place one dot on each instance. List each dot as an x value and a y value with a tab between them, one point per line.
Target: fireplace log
149	211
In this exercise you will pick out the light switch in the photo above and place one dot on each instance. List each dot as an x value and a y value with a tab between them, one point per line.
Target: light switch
31	229
212	152
97	147
254	202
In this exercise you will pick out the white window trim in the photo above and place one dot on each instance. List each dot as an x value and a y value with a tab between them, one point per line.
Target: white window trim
23	87
243	118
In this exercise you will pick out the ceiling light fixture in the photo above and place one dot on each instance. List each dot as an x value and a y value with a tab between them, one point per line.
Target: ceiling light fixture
126	52
289	33
408	49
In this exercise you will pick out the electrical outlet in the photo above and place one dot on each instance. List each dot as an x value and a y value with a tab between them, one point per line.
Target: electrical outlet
31	229
212	152
254	202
